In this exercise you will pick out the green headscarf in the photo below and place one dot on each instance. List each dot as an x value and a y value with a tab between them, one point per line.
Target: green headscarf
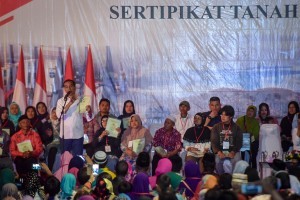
6	176
14	118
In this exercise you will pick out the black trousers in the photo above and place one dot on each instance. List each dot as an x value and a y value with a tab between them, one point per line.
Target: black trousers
23	165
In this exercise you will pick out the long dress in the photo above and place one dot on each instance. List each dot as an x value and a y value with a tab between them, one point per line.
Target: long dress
269	147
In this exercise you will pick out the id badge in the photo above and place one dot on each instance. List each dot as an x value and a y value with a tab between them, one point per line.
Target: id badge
130	144
107	148
252	138
198	146
225	145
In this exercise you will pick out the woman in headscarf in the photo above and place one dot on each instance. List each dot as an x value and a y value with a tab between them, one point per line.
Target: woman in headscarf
10	190
45	132
240	167
250	125
90	127
196	140
53	148
208	182
6	124
6	176
128	110
32	185
44	117
14	113
55	123
164	166
136	138
140	186
192	178
286	125
42	112
67	187
100	192
110	145
64	165
264	114
5	159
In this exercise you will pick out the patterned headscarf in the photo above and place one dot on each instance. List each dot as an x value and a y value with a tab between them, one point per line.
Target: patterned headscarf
31	183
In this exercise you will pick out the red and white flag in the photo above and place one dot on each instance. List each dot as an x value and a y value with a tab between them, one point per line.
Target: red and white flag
89	87
2	94
69	74
20	87
40	90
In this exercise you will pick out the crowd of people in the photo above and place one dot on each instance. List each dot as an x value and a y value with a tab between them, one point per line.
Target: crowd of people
69	154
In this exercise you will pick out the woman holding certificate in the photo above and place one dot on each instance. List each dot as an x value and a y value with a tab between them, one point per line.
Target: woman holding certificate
128	110
196	140
103	141
135	139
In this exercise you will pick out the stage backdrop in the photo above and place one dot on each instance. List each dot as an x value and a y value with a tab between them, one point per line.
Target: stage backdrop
158	53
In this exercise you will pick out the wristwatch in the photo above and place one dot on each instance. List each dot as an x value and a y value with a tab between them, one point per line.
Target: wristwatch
209	117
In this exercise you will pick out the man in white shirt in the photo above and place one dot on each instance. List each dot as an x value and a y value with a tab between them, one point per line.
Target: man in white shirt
183	120
71	121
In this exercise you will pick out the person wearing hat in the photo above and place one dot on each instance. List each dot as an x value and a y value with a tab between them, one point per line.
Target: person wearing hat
183	120
196	140
26	146
249	124
167	142
226	140
212	117
100	158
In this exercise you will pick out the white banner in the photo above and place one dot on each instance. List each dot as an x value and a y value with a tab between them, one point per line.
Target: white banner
158	53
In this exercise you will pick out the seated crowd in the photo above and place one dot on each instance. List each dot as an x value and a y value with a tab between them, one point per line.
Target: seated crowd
205	156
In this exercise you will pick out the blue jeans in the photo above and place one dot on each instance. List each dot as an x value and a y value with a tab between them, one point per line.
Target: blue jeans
219	163
74	146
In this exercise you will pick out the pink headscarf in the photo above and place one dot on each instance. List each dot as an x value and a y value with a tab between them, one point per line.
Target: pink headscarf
65	160
164	166
74	171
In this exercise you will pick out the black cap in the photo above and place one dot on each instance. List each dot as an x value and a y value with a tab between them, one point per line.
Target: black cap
22	117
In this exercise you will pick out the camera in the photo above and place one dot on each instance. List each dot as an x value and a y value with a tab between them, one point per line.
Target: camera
36	166
251	189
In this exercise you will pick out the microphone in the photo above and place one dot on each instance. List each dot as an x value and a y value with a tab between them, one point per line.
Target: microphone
66	96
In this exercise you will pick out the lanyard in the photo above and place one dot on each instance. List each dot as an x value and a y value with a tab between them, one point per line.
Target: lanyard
183	124
197	138
227	131
106	140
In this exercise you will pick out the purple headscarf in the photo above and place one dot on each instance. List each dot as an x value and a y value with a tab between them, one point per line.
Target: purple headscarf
192	177
140	183
140	186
